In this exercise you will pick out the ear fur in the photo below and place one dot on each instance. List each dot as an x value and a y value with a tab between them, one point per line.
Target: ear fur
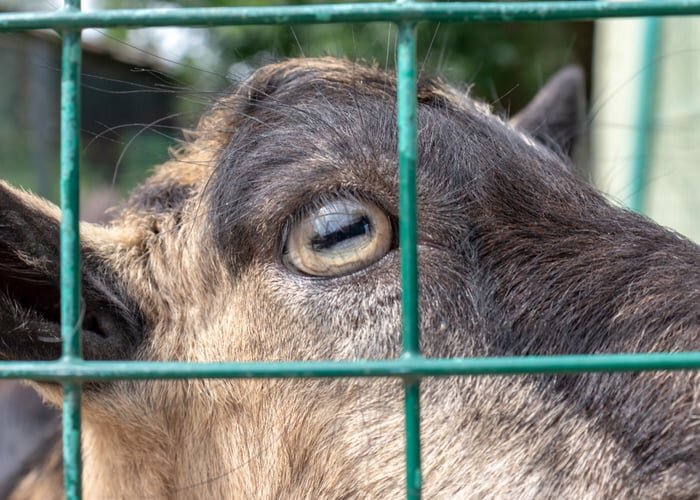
556	116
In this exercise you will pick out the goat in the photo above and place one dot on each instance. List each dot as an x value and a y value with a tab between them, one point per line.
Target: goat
271	234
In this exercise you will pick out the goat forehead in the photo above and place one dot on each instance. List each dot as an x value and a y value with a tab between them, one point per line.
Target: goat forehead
260	161
282	158
350	141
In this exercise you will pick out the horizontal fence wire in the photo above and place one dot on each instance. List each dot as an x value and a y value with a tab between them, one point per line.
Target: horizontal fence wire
347	13
404	367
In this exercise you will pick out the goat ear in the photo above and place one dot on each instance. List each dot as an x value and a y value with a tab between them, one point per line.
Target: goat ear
30	290
556	116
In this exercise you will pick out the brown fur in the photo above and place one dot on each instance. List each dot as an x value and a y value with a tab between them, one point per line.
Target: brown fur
44	481
517	256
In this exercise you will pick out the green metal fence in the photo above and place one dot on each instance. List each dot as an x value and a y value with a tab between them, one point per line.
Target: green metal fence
71	370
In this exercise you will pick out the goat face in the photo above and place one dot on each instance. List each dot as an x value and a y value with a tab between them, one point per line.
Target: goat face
272	235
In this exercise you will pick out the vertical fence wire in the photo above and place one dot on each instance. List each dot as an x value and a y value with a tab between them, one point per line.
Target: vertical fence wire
643	141
70	251
408	234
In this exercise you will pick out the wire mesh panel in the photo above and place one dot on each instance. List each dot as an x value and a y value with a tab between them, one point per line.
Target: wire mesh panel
71	370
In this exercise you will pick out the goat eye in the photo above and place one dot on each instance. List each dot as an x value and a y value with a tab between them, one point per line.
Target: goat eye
340	237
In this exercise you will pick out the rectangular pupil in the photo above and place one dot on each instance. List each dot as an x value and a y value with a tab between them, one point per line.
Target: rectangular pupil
341	232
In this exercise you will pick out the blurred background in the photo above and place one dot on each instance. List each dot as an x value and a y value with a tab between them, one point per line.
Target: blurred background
142	87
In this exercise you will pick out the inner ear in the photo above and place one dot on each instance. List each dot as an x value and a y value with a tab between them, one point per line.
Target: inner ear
556	116
30	289
29	312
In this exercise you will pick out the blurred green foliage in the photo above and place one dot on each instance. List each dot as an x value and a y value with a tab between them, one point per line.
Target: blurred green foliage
499	59
503	63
